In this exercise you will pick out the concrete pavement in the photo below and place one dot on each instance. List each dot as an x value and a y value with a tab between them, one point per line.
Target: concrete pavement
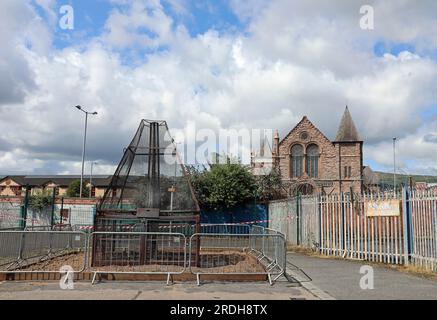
330	279
281	290
340	279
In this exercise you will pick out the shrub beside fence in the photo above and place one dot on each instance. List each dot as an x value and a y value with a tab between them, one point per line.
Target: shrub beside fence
338	225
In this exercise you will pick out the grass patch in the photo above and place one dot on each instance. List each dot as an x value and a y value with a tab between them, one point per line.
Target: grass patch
422	272
410	269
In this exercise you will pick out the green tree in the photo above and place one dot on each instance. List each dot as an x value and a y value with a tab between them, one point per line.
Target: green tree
73	190
223	185
270	187
41	200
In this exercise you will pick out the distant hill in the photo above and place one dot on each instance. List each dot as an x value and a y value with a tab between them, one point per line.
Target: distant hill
386	179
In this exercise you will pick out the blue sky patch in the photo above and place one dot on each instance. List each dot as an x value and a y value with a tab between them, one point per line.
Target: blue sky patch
380	48
206	15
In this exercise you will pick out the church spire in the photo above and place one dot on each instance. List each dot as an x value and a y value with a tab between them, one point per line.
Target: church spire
347	132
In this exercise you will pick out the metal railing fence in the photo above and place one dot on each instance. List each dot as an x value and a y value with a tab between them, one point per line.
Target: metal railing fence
342	225
423	229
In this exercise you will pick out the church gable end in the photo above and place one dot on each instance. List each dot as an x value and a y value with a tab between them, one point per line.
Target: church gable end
309	162
311	139
304	132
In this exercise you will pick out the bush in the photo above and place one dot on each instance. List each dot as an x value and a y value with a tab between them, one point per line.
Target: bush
270	187
223	185
41	200
73	190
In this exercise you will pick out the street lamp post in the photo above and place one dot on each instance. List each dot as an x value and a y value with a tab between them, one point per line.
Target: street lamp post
173	187
394	165
91	177
83	146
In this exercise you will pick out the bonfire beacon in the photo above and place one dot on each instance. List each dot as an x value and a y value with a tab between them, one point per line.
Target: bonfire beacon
150	191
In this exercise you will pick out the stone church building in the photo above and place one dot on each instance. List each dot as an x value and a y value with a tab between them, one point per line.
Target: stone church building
309	162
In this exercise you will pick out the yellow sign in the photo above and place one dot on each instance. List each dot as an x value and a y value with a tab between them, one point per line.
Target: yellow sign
382	208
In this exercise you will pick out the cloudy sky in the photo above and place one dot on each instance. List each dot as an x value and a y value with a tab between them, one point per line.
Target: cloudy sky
214	64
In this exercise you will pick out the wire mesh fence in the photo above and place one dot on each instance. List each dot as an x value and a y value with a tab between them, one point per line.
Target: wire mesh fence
74	214
11	216
20	216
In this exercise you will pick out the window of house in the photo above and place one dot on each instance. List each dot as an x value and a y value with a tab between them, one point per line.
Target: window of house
93	192
17	190
312	161
296	161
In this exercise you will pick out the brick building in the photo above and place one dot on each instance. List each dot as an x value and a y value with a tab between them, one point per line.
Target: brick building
309	162
16	185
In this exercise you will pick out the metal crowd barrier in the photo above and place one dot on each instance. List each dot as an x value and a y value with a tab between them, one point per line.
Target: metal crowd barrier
255	250
137	253
38	228
269	246
255	254
83	227
41	251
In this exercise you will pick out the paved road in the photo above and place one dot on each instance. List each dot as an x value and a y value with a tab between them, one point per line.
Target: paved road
282	290
337	279
341	279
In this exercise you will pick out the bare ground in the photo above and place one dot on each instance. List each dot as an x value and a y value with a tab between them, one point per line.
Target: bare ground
228	261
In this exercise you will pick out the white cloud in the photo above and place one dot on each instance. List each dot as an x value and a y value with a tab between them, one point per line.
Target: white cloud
18	22
143	24
415	153
299	58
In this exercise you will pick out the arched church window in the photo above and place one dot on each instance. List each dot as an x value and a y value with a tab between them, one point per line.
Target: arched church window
296	161
313	161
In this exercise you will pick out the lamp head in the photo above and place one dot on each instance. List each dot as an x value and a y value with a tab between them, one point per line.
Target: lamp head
79	107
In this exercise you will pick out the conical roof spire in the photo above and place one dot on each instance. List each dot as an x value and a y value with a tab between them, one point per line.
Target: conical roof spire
347	132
